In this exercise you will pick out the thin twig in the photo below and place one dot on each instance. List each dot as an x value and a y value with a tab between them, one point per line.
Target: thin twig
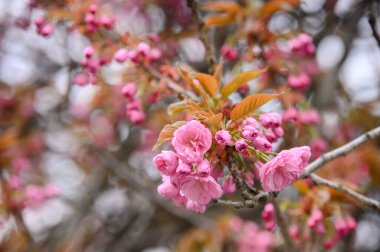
284	229
210	51
372	23
341	151
365	201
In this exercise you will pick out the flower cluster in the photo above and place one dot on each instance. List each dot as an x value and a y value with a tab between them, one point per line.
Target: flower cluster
315	222
268	216
134	110
186	173
94	22
302	45
249	237
305	117
343	227
143	53
300	82
44	29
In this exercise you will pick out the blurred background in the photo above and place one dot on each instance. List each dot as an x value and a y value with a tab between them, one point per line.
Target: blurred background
95	168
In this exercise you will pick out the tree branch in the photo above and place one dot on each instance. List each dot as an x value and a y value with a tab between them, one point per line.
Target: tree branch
283	228
210	52
365	201
372	24
341	151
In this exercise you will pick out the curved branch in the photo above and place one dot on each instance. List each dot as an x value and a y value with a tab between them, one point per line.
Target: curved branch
341	151
365	201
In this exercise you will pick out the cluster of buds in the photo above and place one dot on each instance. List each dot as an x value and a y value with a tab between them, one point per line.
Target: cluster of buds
93	22
249	237
315	222
305	117
35	195
134	110
302	45
186	174
143	53
299	82
268	216
44	29
343	227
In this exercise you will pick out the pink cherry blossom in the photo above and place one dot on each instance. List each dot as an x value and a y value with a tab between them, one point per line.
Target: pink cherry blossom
192	141
195	206
270	120
309	117
290	115
121	55
166	162
136	116
129	90
241	145
229	53
251	122
183	168
229	186
167	189
283	170
262	144
250	132
200	189
223	137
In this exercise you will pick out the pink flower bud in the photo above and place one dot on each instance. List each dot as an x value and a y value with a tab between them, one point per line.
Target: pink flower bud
278	131
136	116
154	54
309	117
250	133
229	186
46	30
121	55
223	138
251	122
129	90
166	162
294	232
143	49
270	135
290	115
262	144
51	191
268	212
270	120
107	22
241	145
133	55
39	21
229	53
89	51
93	8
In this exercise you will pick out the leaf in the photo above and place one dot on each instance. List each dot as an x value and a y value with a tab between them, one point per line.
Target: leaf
214	120
227	7
240	80
177	107
218	20
278	5
218	73
186	76
167	133
208	82
250	104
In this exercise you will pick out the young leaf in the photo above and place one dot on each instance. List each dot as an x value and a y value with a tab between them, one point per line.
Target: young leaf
186	76
251	103
218	20
228	7
208	82
177	107
218	73
239	81
214	120
167	133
